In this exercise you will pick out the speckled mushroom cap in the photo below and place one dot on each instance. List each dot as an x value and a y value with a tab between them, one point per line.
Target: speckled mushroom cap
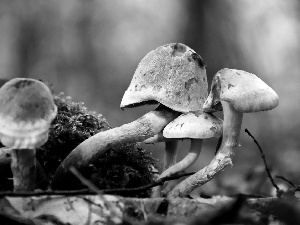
196	126
26	111
173	75
244	91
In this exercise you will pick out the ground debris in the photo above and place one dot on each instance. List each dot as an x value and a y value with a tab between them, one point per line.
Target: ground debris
91	209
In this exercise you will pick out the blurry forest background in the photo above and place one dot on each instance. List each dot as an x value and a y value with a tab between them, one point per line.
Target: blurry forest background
90	50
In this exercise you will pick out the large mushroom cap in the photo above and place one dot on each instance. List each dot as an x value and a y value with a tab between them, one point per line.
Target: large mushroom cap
26	111
173	75
244	91
197	126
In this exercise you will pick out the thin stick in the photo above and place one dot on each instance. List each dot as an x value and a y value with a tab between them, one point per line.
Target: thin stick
158	182
86	182
90	191
92	187
264	159
286	180
46	193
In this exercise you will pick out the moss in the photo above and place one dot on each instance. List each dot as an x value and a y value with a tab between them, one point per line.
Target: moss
72	125
123	167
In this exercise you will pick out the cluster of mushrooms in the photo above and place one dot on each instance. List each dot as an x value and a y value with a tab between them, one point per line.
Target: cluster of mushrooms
172	76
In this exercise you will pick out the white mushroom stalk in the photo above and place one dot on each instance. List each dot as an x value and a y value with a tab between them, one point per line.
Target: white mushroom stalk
172	75
94	147
187	161
231	128
26	111
170	148
194	127
41	181
171	154
237	92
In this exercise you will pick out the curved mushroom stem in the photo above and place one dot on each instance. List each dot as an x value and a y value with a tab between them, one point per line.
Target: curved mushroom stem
23	167
91	149
170	154
195	149
170	148
231	132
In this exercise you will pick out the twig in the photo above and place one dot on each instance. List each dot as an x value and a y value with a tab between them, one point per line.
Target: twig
286	180
93	188
46	193
159	182
143	188
90	191
264	159
86	182
293	190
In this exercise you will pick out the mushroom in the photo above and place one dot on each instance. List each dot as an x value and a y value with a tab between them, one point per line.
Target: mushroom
164	89
26	111
236	92
189	126
172	75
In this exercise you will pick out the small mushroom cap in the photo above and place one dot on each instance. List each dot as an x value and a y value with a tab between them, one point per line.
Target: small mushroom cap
244	91
173	75
26	111
197	126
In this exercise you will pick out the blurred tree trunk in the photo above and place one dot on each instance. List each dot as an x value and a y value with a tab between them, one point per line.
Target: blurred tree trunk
195	28
211	31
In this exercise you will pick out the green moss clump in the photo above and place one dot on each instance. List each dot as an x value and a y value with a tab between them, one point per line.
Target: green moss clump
123	167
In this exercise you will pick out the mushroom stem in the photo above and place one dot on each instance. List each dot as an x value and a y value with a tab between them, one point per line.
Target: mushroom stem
41	181
195	149
92	148
231	132
169	161
231	128
170	154
170	148
23	167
